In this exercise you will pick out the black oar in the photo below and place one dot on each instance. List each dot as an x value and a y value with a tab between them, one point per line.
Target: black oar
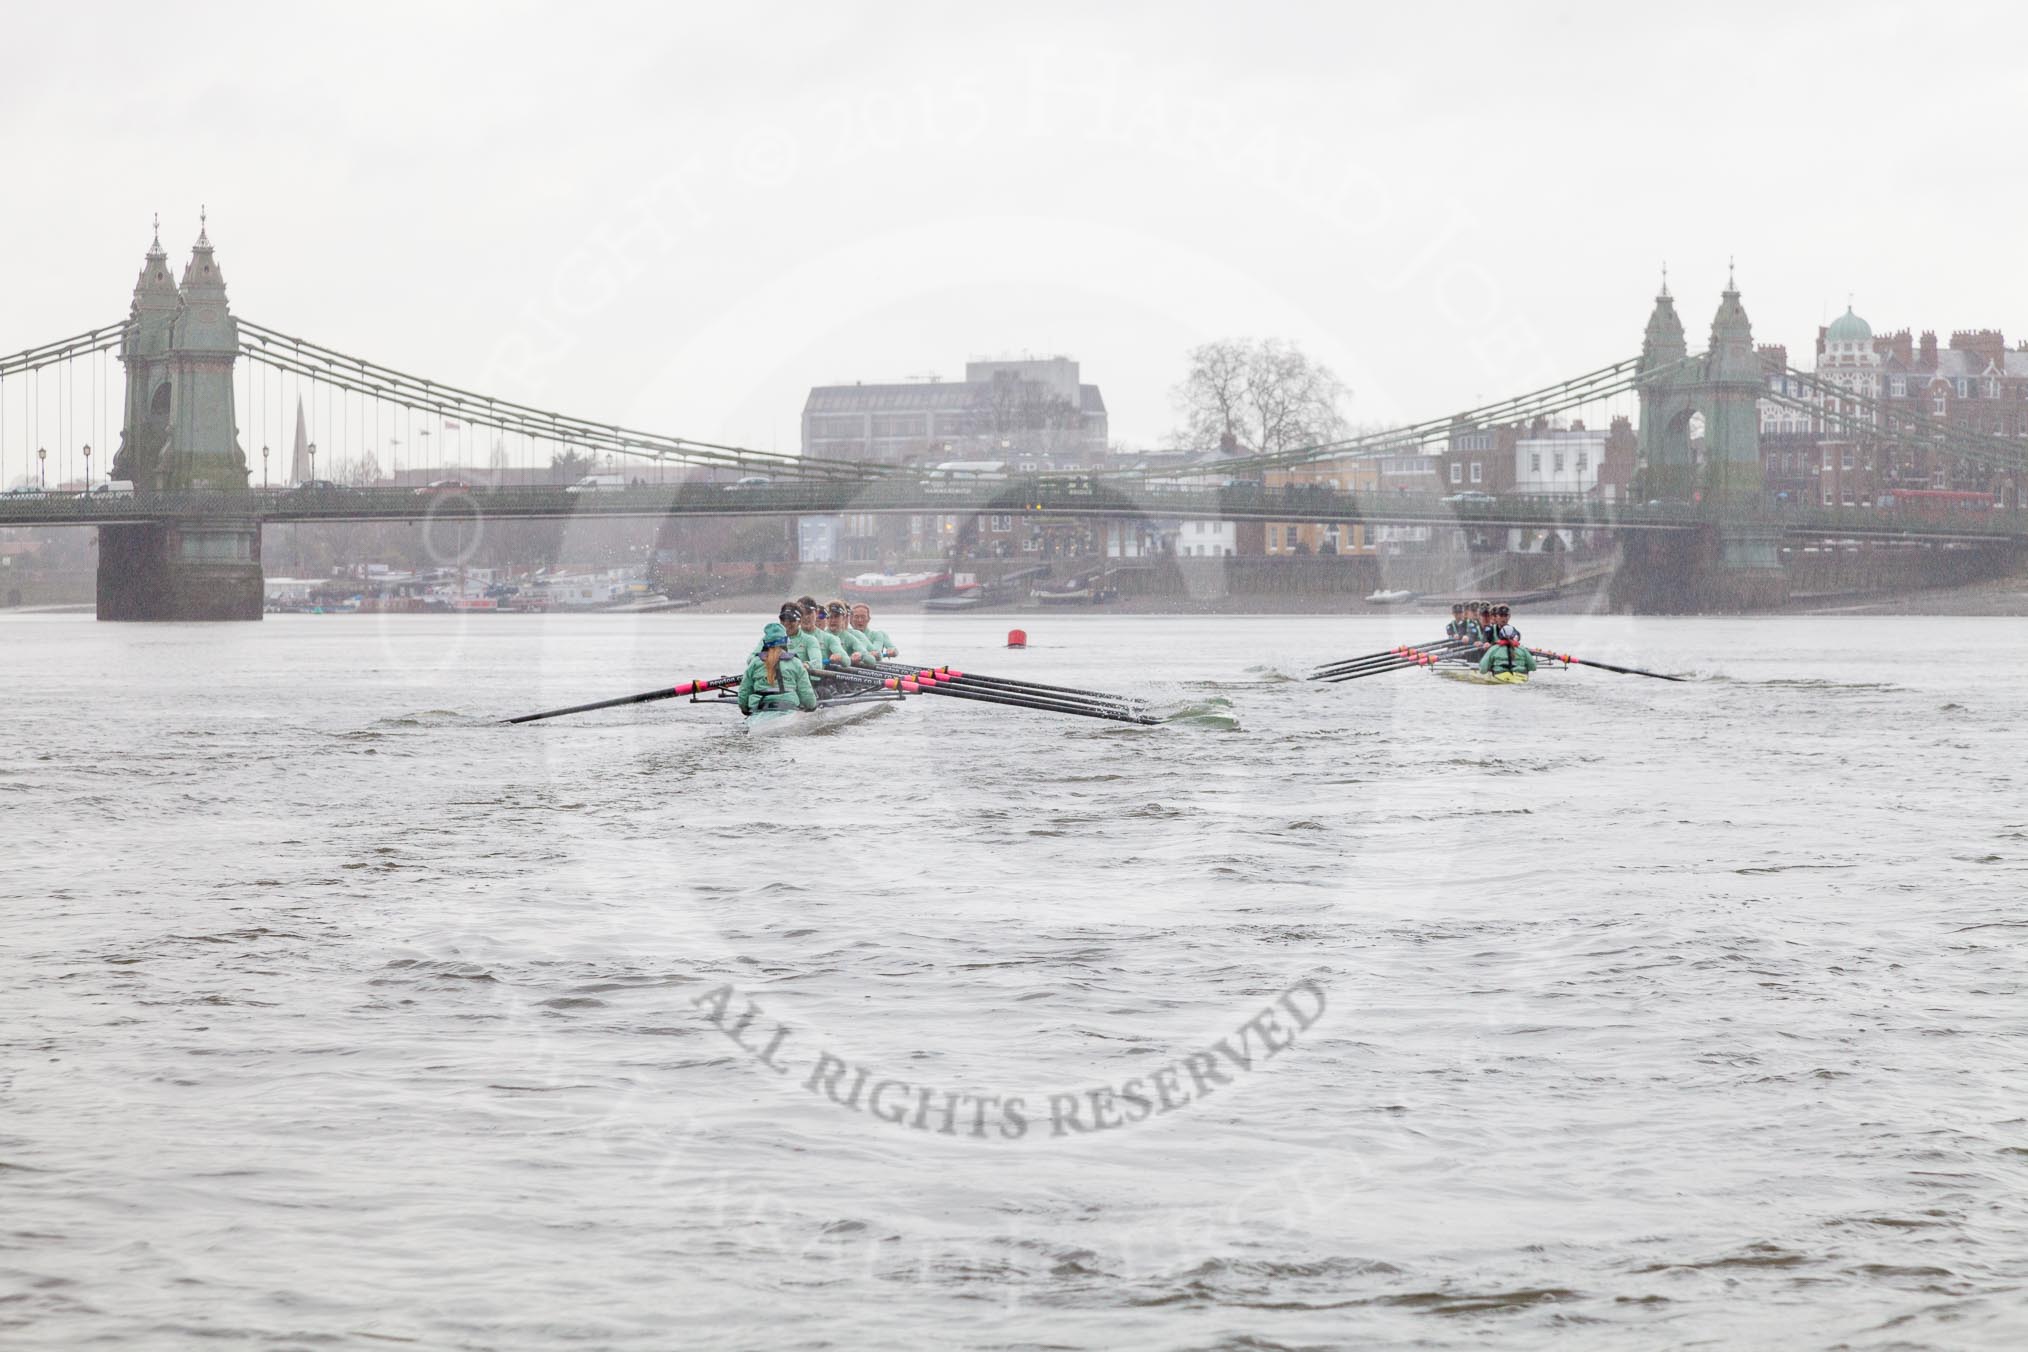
1008	682
1350	663
826	701
930	685
1413	657
1395	661
1568	660
686	688
1059	698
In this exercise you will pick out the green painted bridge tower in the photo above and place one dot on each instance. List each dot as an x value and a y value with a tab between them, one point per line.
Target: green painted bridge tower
181	435
1700	443
1700	416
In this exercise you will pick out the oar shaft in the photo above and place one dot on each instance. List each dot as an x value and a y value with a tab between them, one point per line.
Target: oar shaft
1604	666
686	688
1389	661
931	686
970	682
860	698
1020	690
1340	679
1345	663
1410	657
1008	682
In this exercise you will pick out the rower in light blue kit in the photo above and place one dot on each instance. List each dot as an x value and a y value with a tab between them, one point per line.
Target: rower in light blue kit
774	679
859	650
862	624
816	624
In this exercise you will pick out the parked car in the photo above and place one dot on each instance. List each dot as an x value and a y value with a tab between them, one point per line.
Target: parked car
598	483
749	482
112	488
24	491
1471	495
443	486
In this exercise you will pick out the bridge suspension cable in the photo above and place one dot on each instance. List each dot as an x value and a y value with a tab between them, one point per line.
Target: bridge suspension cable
1621	377
1862	416
52	415
102	339
303	358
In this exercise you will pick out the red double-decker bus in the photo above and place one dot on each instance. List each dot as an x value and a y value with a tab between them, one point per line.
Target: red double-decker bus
1935	504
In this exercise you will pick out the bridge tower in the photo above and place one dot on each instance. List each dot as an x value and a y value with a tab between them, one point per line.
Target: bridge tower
1719	389
144	352
181	436
1733	562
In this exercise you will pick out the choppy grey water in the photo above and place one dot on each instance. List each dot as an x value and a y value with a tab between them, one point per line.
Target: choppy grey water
1603	1013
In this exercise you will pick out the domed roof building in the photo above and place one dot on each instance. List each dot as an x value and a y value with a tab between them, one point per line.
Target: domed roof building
1847	343
1849	328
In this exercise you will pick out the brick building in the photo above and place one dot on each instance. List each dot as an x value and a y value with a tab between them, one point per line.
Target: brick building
1479	460
1976	382
1352	474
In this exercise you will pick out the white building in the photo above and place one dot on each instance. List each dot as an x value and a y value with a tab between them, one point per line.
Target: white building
1558	461
1138	538
1207	539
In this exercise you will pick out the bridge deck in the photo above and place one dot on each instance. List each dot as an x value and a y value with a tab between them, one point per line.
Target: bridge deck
1095	497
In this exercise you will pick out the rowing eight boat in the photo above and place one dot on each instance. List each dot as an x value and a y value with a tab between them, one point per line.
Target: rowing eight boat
795	722
1477	677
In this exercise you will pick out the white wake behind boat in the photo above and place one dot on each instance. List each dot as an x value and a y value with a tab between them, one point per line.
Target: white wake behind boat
797	722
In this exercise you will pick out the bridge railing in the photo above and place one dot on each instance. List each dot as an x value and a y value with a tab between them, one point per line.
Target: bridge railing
1054	495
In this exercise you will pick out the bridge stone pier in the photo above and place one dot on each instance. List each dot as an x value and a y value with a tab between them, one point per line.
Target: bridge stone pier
1724	568
180	435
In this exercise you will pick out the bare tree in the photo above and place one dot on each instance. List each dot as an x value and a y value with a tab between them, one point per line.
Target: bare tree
1265	395
1027	414
363	472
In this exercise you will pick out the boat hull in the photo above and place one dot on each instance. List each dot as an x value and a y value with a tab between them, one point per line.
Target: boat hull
891	587
799	723
1486	677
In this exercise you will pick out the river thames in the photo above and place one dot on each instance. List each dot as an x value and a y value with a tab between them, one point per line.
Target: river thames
1602	1013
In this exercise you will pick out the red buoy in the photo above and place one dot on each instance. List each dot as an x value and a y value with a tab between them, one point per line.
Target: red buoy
1017	638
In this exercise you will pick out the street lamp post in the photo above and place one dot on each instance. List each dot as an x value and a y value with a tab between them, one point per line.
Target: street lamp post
88	466
313	460
264	469
41	470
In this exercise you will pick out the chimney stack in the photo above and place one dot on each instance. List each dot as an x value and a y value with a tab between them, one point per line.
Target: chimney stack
1989	345
1928	360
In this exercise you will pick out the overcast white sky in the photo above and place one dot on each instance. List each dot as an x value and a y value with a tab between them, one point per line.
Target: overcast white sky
681	217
